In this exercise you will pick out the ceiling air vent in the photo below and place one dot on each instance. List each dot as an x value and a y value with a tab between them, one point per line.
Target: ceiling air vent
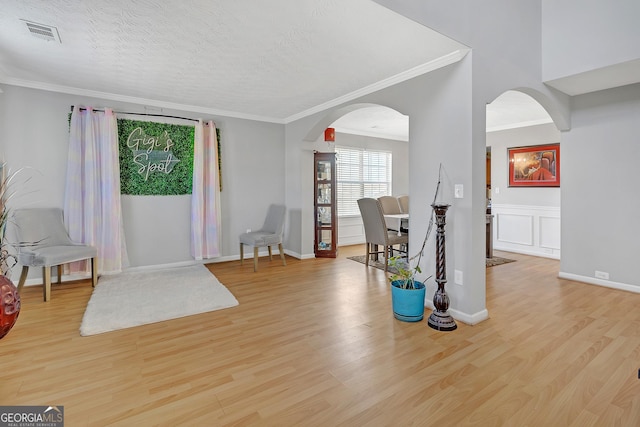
41	31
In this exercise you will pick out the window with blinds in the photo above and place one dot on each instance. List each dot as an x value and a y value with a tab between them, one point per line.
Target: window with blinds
361	173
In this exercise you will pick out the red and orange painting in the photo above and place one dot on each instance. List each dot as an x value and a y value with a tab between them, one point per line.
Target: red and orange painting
534	166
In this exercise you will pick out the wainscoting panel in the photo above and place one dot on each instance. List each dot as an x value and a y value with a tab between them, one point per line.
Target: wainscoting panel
516	229
350	231
531	230
550	232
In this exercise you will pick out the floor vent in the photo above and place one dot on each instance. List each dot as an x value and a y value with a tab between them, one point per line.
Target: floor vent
41	31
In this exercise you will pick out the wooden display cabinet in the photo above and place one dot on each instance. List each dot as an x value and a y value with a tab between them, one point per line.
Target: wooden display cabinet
325	208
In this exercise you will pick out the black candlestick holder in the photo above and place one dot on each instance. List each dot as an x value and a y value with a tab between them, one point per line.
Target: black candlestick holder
440	319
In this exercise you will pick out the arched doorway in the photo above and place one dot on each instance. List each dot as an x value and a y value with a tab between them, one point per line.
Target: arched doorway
365	130
524	219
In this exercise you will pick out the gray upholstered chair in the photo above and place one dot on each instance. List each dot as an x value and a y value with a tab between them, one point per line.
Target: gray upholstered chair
44	242
404	207
391	206
270	234
404	203
376	232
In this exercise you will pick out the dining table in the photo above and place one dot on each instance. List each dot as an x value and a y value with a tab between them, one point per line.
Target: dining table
401	216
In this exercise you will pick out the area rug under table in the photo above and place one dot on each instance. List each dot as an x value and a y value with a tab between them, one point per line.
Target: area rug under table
490	262
496	260
137	298
373	263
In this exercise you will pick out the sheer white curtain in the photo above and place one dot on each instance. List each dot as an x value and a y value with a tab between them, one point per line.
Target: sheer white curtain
205	198
92	209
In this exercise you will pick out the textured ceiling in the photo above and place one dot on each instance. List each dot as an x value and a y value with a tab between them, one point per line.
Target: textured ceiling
274	60
380	122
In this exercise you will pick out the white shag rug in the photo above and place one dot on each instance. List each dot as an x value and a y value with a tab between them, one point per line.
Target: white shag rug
137	298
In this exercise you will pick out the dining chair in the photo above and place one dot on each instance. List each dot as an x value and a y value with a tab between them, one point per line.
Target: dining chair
270	234
376	232
391	206
403	201
44	242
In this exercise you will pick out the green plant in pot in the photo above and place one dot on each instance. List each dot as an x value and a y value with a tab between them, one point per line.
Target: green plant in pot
405	275
407	293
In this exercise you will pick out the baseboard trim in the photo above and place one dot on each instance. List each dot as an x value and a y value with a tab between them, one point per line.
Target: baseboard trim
37	281
599	282
468	319
249	255
519	251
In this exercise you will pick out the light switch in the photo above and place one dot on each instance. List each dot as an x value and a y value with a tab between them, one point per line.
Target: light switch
458	191
497	190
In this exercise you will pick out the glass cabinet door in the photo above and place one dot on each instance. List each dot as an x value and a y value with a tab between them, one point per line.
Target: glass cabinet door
325	205
324	170
324	194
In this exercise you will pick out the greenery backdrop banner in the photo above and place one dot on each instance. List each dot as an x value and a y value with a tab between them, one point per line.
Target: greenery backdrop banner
155	158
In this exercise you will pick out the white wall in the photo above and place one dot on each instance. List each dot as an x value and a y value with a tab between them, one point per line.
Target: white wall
34	133
499	142
600	189
599	183
526	219
580	36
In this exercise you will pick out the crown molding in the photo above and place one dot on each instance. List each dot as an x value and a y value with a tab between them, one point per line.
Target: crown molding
520	125
427	67
373	134
135	100
435	64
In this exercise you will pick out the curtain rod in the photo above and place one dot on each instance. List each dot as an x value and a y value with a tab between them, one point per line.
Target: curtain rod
142	114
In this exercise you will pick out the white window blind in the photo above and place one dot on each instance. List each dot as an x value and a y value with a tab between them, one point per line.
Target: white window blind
361	173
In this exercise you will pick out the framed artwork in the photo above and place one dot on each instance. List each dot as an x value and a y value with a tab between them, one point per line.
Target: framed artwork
534	166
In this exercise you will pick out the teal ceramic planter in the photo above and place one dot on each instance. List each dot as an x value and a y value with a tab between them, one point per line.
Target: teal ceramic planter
408	304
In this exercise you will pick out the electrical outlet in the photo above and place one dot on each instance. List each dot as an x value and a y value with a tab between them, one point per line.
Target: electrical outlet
457	277
602	275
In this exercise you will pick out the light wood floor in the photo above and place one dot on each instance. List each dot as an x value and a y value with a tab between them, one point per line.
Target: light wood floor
315	344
